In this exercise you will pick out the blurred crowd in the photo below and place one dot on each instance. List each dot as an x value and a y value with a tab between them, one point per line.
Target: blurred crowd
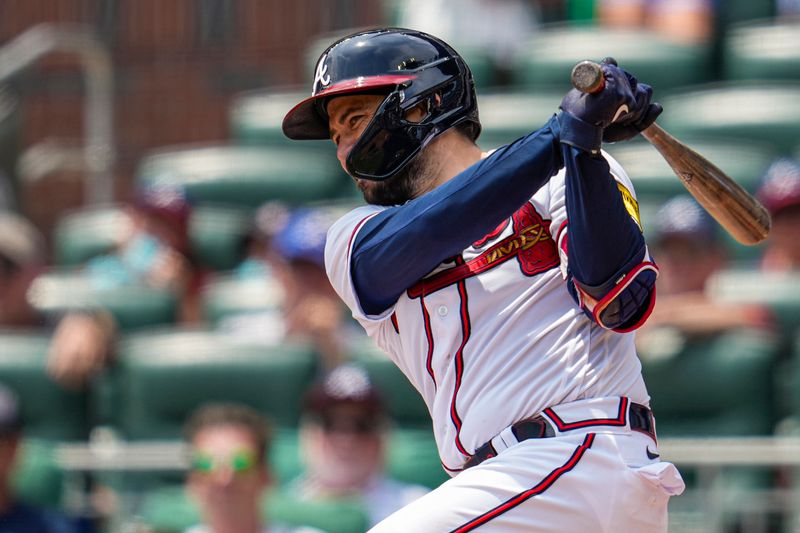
273	292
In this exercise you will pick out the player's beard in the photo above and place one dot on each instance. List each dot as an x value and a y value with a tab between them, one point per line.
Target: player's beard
401	187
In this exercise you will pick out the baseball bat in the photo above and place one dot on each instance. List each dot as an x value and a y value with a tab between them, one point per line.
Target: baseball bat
744	217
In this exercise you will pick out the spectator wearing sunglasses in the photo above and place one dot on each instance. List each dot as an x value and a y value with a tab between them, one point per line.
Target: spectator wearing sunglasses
229	444
343	442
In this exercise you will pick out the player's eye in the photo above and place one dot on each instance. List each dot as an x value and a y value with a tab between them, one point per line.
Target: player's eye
354	121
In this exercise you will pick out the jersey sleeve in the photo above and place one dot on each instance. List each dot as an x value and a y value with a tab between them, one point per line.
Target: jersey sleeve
338	255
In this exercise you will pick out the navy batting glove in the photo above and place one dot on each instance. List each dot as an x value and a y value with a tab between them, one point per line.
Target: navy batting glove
614	101
585	116
640	116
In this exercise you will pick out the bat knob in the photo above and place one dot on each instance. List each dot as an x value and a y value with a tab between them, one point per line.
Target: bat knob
587	77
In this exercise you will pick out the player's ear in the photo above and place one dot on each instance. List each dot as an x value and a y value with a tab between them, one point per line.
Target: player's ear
423	109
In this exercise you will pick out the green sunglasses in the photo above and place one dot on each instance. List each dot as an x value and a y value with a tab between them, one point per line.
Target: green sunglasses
239	462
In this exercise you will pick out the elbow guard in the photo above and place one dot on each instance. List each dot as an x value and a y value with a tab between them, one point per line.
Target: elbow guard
627	304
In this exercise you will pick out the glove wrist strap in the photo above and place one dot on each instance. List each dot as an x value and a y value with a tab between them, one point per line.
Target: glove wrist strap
582	135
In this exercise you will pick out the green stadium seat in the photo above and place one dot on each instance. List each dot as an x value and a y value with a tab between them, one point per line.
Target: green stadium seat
82	234
779	291
744	111
554	50
720	385
133	306
37	478
402	400
216	234
763	51
227	296
256	119
414	458
244	175
49	411
163	375
507	116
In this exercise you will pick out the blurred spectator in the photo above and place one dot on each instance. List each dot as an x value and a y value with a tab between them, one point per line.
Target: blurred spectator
291	248
684	21
15	516
343	441
230	473
688	250
780	194
154	252
22	258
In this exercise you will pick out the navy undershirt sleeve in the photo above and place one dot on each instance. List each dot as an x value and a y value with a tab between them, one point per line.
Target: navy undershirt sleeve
400	245
604	241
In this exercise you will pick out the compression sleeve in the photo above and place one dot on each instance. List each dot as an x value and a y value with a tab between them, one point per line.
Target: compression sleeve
608	259
400	245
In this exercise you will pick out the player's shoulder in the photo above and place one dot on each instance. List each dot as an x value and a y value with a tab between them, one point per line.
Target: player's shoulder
347	224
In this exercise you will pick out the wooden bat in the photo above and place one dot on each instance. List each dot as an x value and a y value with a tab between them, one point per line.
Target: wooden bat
744	217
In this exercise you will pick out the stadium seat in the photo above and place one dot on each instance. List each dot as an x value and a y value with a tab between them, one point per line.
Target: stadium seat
82	234
49	411
403	402
507	116
554	50
414	458
243	175
256	119
133	306
216	234
37	478
227	296
779	291
763	51
163	375
744	111
720	385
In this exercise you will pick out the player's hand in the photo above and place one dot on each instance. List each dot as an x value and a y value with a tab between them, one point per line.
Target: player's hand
638	118
622	106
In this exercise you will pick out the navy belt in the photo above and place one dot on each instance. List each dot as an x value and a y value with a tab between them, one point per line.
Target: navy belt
640	418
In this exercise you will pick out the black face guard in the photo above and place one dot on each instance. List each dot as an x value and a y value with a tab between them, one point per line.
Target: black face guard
390	142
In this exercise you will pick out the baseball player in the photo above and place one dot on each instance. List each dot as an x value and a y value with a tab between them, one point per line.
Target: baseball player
505	286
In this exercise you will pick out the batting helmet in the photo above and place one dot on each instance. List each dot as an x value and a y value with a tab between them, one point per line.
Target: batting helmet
411	68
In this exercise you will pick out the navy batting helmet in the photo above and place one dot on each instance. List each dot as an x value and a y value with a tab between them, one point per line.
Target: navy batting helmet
411	68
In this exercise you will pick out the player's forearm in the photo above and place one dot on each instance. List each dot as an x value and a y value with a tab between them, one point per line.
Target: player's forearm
400	245
604	240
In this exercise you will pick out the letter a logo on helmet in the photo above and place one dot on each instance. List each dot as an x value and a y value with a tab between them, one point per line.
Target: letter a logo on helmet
321	77
411	68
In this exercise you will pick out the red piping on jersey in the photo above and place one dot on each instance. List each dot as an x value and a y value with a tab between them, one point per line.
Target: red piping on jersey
459	359
566	426
542	486
355	230
426	319
498	254
454	470
395	325
493	235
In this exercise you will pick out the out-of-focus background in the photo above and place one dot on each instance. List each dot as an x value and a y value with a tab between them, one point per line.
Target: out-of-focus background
160	245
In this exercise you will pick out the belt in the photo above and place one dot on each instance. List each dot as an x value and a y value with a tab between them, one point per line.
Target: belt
640	418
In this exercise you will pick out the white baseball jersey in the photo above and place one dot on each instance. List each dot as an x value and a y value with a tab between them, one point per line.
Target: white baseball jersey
493	336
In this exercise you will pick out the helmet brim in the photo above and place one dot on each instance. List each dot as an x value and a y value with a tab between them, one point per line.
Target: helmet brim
304	122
